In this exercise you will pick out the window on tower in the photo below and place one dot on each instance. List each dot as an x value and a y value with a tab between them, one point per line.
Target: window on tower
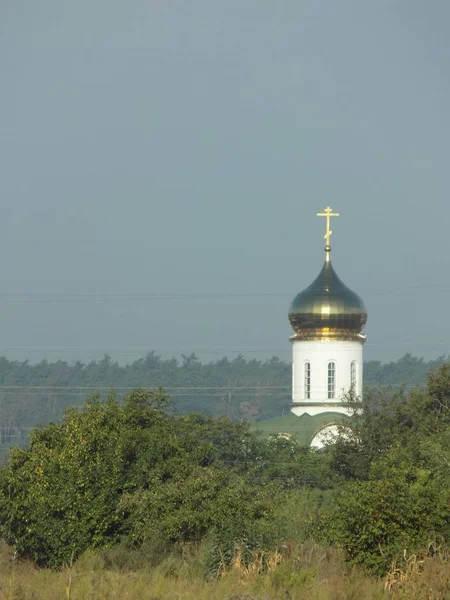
353	375
331	379
307	380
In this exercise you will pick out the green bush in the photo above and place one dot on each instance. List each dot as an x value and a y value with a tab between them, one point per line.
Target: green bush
378	520
112	471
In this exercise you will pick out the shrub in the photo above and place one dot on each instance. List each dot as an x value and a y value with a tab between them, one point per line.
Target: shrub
375	521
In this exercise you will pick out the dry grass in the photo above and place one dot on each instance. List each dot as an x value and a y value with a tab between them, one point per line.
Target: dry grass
420	576
295	574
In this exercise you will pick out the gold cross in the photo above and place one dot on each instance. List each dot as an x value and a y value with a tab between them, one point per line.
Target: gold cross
328	213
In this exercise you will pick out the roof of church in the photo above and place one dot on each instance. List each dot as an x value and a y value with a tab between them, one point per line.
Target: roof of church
327	308
302	428
327	304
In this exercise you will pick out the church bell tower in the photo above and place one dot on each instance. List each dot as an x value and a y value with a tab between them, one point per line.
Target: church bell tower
327	344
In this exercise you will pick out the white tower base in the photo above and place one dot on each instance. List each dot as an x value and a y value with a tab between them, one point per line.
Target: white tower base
323	371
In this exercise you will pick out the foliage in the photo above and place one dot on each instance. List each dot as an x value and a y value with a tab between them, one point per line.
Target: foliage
59	496
110	470
394	455
194	502
283	461
376	521
134	478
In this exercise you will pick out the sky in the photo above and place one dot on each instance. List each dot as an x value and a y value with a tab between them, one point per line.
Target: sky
162	164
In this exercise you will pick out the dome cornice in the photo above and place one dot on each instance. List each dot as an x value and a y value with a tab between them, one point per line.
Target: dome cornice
324	334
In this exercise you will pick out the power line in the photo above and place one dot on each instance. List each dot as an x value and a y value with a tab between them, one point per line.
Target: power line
154	387
157	386
52	297
143	351
199	395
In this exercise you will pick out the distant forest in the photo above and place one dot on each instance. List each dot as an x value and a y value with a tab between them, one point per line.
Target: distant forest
242	389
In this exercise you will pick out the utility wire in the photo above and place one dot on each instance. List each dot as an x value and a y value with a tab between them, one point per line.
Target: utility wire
169	351
52	297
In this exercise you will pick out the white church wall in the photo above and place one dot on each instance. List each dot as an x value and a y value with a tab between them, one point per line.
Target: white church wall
319	353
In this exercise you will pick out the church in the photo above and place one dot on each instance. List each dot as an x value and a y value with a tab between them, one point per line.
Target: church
327	355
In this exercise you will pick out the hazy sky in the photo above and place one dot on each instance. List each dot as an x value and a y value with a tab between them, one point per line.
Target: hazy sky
183	148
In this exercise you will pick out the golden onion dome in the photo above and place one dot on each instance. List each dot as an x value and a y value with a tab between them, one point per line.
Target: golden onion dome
327	309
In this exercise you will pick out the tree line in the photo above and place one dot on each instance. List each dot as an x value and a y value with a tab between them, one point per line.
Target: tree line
241	389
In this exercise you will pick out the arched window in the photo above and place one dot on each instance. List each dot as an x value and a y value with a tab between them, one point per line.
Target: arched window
307	380
293	377
353	375
331	379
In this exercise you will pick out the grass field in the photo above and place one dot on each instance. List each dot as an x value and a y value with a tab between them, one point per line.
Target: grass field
310	573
